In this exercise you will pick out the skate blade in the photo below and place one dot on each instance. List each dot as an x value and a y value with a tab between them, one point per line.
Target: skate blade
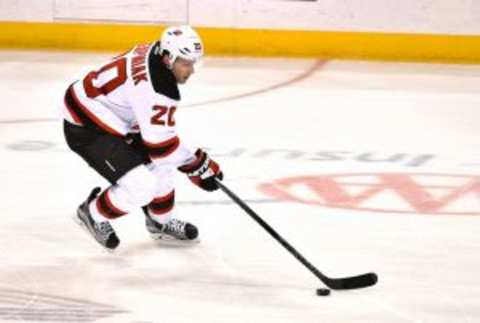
170	241
82	225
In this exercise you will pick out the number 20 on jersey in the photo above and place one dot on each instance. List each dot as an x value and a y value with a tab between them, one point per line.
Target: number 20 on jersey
164	116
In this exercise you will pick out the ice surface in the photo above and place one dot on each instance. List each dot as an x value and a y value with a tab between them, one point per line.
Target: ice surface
360	166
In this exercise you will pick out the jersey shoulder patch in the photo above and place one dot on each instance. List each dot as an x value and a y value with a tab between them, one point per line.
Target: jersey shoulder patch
163	80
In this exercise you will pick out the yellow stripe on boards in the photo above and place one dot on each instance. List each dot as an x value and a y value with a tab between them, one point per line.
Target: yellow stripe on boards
249	42
97	37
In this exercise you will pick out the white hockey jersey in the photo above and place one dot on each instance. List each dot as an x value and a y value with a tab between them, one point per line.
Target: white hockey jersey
131	93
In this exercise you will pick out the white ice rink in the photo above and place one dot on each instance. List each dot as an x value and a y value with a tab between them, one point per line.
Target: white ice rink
360	166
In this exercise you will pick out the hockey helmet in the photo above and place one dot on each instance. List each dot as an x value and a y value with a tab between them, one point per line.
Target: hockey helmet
181	41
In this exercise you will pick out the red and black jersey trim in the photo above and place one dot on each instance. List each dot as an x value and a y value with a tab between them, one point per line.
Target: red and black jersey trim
84	116
162	149
74	115
106	207
162	205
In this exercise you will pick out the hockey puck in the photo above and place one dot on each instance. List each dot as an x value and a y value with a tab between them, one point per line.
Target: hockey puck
323	291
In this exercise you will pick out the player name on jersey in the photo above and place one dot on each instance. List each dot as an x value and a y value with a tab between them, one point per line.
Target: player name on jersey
138	66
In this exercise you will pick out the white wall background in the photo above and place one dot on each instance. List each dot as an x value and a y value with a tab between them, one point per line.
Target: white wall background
413	16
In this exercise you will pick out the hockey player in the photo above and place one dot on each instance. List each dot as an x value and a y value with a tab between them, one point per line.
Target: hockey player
121	120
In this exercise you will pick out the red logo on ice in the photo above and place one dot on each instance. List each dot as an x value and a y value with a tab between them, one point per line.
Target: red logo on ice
385	192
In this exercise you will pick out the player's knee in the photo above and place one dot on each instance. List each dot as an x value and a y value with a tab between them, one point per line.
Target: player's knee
139	184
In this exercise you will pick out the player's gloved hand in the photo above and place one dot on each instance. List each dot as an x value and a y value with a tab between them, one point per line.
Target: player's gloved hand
203	171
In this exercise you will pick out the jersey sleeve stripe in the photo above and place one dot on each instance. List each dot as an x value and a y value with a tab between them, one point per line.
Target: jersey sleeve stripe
162	149
88	118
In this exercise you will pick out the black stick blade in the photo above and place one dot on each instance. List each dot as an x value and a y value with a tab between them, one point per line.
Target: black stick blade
362	281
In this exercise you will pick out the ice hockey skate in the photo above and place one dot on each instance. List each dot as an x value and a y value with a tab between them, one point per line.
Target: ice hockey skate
173	231
102	232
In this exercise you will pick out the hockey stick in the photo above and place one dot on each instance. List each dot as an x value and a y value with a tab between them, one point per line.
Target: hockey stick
353	282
